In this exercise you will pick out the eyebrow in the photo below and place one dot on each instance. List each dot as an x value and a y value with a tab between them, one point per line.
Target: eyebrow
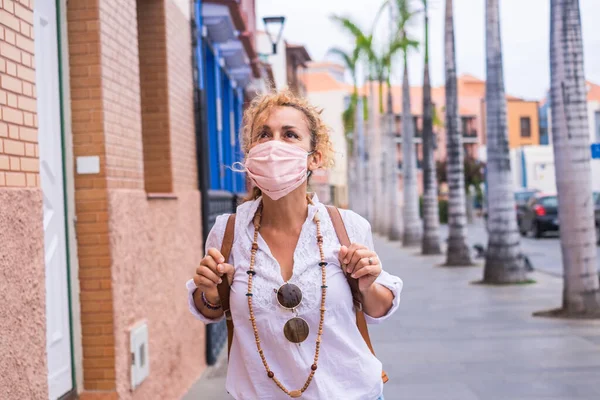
288	127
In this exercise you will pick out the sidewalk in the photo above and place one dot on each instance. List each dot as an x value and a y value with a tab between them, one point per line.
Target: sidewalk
452	340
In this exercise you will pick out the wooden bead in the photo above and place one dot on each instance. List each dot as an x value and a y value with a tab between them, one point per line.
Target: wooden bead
251	273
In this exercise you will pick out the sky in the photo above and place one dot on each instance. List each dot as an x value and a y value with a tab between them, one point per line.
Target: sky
525	26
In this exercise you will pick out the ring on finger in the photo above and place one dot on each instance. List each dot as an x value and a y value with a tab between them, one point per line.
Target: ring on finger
370	261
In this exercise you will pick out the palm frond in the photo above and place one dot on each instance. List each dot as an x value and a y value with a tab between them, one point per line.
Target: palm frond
348	25
347	57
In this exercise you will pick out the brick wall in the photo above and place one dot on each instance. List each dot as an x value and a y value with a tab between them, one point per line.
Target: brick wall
19	165
121	94
155	97
181	94
91	204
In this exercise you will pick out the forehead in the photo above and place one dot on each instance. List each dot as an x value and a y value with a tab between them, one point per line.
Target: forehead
283	115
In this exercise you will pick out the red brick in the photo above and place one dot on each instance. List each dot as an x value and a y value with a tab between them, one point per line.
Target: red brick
9	51
13	147
24	14
9	36
11	68
13	132
30	164
4	162
11	84
32	180
15	179
9	20
26	73
12	100
29	150
15	164
28	134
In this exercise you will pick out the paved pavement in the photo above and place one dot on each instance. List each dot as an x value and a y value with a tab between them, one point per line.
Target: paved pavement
455	340
545	253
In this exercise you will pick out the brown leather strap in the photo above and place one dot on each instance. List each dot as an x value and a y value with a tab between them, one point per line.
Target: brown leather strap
361	322
223	288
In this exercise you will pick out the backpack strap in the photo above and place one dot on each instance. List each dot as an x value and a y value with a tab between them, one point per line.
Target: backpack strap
223	288
361	322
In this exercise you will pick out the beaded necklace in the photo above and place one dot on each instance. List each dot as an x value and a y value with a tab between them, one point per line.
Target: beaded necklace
251	272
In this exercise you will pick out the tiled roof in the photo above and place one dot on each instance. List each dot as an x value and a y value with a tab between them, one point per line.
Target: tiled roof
593	91
323	82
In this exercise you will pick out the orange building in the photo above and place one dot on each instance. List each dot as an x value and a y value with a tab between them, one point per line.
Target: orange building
522	117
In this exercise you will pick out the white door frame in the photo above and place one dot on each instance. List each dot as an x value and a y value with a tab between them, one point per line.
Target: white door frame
71	219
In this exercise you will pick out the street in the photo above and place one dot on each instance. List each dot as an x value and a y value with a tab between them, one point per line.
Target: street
544	253
455	340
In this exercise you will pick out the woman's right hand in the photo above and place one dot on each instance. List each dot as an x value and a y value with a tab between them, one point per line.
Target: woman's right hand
210	273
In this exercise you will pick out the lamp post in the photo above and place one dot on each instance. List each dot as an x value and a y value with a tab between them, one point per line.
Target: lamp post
272	25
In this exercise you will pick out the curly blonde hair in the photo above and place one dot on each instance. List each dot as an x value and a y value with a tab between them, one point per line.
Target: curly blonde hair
261	107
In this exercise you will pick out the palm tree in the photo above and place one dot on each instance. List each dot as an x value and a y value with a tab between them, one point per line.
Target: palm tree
504	261
431	218
350	60
581	293
412	226
458	252
360	171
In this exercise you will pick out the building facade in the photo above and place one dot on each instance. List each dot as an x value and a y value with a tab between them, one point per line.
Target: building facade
325	88
117	121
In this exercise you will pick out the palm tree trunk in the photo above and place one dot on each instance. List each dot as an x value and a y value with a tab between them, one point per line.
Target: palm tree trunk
375	150
394	216
431	218
458	252
504	262
412	225
386	164
581	292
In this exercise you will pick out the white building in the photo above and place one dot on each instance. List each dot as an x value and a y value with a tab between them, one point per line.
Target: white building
325	87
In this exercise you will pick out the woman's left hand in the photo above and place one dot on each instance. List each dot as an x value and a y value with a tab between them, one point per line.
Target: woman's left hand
362	263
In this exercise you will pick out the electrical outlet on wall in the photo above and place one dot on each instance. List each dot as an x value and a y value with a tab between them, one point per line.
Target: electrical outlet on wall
140	362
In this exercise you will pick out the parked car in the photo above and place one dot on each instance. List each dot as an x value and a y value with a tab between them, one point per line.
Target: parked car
597	215
540	215
522	197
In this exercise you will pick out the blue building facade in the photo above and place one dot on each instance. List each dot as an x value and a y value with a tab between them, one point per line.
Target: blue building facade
225	63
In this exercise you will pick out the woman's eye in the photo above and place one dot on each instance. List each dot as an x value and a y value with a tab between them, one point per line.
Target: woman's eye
291	134
263	135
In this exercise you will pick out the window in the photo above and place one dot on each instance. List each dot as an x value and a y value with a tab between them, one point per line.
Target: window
525	127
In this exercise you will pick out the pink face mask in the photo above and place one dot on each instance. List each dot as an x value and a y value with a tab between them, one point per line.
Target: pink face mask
277	168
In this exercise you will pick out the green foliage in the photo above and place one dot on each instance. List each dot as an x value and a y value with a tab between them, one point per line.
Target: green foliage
442	208
473	172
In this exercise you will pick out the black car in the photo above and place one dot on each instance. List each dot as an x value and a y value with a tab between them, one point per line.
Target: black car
540	215
522	198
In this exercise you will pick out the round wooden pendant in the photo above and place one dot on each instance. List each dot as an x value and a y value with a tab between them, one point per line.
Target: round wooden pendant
289	296
296	330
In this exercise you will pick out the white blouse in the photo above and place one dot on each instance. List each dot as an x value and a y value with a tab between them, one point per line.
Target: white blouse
346	368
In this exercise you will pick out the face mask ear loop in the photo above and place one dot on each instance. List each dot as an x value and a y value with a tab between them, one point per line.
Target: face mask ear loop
238	167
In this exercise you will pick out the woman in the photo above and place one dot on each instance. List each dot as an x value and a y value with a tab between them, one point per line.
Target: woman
286	257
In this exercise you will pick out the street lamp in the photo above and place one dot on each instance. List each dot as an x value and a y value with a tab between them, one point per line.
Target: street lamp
276	24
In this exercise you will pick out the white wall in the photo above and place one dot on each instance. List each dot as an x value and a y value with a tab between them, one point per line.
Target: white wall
277	61
533	167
